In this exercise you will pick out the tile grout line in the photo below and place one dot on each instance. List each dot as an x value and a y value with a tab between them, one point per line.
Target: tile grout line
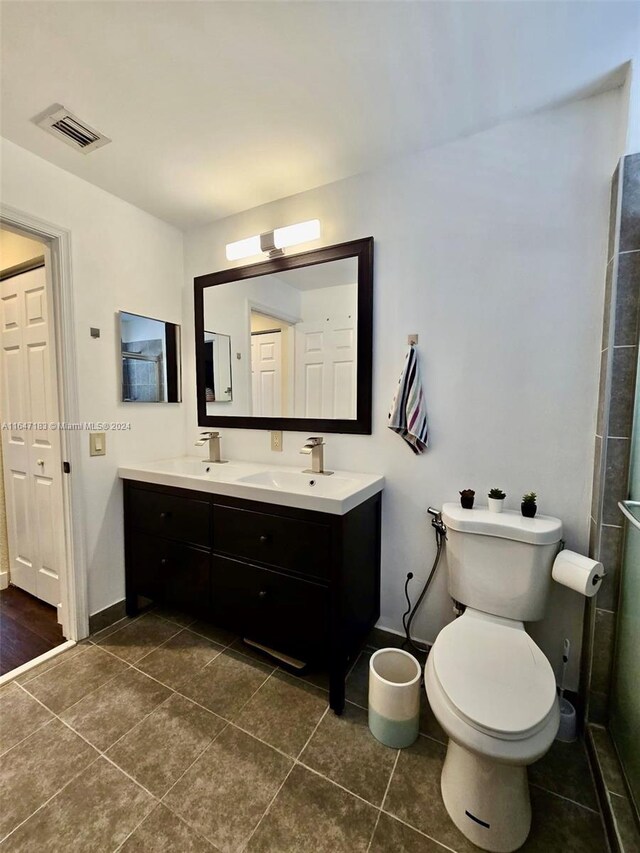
47	801
290	771
384	797
562	797
198	756
101	753
296	761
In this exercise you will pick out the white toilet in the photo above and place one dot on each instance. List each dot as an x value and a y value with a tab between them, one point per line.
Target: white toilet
490	687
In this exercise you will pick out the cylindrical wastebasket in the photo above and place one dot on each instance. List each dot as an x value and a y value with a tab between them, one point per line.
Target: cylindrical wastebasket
394	697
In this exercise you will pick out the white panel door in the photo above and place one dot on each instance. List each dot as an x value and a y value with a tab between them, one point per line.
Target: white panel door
325	383
32	460
266	374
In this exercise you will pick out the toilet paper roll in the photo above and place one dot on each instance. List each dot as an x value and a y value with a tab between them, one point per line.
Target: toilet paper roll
578	572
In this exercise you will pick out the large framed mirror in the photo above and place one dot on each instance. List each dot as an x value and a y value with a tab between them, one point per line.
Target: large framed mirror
292	348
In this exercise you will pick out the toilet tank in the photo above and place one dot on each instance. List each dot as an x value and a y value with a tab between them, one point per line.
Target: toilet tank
500	563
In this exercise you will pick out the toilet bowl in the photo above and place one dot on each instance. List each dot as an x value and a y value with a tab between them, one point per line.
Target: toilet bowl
493	692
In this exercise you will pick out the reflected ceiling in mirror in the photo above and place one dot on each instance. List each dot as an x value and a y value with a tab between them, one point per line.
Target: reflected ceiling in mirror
299	342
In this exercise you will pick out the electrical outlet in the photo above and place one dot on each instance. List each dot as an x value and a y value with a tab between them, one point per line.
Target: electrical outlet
276	439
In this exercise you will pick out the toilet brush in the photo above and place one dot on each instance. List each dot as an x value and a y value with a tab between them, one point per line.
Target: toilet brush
567	727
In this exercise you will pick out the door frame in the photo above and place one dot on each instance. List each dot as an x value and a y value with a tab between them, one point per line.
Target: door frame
73	580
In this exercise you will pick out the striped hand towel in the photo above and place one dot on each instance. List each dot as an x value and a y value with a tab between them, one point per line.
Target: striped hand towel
408	415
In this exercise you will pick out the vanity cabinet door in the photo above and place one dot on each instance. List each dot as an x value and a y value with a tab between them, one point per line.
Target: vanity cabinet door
171	515
170	572
293	544
277	610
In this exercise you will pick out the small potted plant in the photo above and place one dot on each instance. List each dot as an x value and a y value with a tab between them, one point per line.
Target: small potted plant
466	498
496	500
529	507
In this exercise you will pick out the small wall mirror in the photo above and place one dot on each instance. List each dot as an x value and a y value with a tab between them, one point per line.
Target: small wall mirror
296	348
218	385
150	358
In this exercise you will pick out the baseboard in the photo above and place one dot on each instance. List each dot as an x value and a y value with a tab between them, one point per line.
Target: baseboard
4	580
104	618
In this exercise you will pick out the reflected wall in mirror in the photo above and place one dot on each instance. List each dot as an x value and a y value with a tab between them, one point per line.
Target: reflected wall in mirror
299	333
150	359
218	385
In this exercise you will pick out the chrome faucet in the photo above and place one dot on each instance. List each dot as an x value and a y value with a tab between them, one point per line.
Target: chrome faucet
315	447
214	446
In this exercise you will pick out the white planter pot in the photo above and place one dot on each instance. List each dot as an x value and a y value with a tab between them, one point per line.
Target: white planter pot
394	697
496	504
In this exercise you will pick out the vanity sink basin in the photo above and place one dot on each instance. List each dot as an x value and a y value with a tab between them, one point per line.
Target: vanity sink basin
336	494
289	481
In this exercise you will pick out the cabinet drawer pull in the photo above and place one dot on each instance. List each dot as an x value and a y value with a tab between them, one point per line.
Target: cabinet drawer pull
264	538
262	593
165	515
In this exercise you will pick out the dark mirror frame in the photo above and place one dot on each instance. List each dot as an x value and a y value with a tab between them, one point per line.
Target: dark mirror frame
361	424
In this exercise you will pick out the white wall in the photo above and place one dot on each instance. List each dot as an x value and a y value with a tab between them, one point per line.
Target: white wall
124	259
493	250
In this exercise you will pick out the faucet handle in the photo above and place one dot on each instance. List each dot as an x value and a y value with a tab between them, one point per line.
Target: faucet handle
314	441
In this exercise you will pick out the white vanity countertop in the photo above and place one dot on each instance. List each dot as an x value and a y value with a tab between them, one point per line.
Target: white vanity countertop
274	484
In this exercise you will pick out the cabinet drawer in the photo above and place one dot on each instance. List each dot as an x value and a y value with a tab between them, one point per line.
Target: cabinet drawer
174	516
169	571
288	543
286	613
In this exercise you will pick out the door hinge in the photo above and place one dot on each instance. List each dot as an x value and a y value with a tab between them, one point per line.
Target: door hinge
66	467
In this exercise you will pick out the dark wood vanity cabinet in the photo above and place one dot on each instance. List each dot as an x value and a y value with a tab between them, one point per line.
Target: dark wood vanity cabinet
305	583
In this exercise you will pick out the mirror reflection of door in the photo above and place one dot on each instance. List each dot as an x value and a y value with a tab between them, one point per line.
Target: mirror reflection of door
326	368
218	384
266	373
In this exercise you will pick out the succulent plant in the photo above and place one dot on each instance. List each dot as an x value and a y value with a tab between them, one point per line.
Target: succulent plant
497	494
468	493
529	498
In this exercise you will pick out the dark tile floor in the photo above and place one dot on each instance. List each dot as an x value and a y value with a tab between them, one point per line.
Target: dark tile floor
28	628
160	734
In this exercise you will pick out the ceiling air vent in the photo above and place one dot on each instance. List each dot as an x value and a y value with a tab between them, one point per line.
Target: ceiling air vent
62	123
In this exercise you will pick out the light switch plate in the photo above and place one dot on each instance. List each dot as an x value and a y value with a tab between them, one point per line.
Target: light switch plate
276	439
97	444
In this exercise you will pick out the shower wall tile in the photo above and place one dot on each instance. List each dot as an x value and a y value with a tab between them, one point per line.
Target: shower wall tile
618	366
616	478
623	391
627	300
613	213
603	403
608	285
597	481
603	638
610	555
630	208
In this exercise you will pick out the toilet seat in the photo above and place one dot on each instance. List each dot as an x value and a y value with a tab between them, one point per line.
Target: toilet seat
494	676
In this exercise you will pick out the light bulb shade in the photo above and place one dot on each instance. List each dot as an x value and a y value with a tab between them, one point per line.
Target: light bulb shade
244	248
301	232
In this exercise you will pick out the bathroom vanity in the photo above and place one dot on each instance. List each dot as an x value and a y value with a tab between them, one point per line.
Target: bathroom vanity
286	559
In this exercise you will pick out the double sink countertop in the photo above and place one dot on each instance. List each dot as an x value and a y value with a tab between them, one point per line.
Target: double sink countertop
336	494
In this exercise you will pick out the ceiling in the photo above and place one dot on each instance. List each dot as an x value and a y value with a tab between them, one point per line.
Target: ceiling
216	107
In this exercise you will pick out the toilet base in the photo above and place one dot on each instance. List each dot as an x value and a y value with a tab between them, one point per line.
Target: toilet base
488	801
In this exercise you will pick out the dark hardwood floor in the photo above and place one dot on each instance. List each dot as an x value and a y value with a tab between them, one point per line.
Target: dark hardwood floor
28	628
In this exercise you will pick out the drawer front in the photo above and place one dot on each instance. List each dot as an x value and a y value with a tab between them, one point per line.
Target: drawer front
169	571
174	516
286	613
288	543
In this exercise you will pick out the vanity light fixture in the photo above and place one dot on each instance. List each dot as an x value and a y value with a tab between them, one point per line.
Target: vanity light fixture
274	242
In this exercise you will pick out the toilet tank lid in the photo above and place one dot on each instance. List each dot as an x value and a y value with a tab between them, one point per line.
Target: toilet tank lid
541	530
